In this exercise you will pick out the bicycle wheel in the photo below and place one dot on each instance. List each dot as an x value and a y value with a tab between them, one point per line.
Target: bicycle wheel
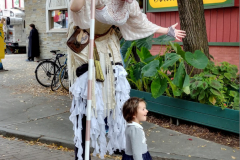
64	77
45	72
56	81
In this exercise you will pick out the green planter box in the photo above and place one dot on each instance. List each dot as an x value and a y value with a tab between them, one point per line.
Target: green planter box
207	115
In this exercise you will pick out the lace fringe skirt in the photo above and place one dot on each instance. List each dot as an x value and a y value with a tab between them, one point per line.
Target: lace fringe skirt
116	122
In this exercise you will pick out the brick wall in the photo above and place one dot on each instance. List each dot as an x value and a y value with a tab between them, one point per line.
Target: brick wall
220	53
35	11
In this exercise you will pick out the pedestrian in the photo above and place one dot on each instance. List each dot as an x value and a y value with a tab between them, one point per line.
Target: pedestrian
134	112
108	95
33	44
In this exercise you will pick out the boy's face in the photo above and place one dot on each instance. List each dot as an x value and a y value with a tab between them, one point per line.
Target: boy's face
141	112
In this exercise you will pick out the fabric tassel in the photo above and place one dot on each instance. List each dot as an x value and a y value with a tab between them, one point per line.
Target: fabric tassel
98	69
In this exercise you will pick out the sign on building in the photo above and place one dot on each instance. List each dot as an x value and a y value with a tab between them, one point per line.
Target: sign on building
171	5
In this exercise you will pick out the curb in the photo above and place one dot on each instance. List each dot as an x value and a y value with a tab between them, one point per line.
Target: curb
35	137
61	142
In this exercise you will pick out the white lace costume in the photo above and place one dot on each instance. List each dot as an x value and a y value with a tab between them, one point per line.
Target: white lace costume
114	91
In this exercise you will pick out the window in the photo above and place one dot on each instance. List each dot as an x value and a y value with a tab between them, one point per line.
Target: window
59	19
57	15
11	14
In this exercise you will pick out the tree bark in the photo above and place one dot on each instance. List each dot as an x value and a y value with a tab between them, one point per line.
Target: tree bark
192	20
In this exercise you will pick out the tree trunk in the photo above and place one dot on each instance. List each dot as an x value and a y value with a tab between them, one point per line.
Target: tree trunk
192	20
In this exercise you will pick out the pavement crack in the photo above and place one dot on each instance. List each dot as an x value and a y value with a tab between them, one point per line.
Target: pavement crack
31	120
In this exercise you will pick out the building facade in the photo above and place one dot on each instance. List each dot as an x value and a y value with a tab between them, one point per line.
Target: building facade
222	22
50	18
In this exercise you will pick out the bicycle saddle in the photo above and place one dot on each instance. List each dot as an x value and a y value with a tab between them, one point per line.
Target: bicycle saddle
54	51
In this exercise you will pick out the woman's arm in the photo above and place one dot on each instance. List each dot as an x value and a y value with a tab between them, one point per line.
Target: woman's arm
77	5
174	33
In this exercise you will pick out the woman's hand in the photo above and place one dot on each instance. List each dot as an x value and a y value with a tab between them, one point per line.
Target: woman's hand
178	33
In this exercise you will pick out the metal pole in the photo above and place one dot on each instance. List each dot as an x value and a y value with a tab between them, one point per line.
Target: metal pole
5	4
19	3
12	3
90	79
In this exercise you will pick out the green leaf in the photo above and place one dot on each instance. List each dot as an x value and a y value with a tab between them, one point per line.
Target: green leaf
208	75
150	69
137	68
163	39
131	75
144	54
125	47
233	93
186	90
228	75
148	60
212	100
145	42
179	75
204	85
170	59
223	68
215	92
195	92
178	49
173	46
186	81
192	80
129	51
201	95
197	59
197	84
234	86
160	62
215	71
128	62
221	77
158	87
236	102
176	91
215	84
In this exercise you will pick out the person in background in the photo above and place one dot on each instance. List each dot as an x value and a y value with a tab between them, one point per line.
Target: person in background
33	44
134	112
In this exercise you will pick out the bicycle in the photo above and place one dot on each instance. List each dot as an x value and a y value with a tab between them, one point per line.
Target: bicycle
64	80
60	78
47	68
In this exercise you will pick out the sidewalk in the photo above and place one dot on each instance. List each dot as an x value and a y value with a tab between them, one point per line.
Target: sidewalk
28	114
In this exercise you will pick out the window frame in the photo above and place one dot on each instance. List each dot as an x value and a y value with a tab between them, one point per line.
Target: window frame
48	17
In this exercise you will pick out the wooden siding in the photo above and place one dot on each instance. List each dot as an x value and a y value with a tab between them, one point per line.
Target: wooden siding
222	23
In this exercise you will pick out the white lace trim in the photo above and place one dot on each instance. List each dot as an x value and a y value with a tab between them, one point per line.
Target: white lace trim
116	133
108	17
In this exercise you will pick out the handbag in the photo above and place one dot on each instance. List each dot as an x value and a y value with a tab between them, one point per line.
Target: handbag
78	40
98	70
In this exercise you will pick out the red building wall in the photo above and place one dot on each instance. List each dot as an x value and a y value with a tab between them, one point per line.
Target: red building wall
222	25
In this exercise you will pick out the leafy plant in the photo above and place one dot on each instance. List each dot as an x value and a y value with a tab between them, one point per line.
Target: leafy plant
154	69
217	85
166	74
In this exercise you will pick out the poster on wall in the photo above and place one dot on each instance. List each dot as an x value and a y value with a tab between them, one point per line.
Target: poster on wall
171	5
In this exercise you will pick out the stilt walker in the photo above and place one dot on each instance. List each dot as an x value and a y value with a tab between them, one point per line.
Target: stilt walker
90	79
104	96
